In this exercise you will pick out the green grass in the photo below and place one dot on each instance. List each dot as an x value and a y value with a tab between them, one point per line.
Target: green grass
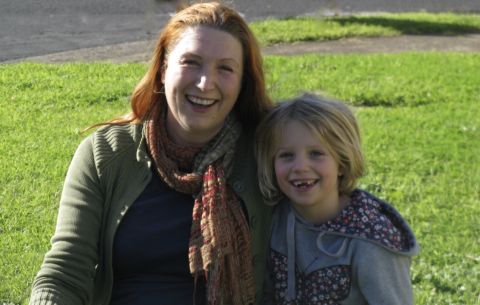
385	80
419	112
317	28
420	116
42	110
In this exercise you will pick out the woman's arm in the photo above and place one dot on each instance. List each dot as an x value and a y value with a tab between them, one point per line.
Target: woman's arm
68	270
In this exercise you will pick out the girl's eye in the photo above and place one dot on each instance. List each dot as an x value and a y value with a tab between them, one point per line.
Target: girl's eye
285	155
316	153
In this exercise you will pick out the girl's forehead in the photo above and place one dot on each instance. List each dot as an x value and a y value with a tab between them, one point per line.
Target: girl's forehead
294	125
295	132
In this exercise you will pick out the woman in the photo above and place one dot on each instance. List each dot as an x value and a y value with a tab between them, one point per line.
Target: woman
162	206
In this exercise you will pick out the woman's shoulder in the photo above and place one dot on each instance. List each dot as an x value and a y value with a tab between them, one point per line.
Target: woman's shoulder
109	143
116	136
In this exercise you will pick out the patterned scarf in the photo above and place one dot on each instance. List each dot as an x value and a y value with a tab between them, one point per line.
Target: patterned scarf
220	241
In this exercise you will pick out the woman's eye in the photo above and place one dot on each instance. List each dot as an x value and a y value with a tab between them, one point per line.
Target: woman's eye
189	62
226	68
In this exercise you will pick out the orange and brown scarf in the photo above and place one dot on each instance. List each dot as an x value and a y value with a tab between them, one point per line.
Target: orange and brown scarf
220	242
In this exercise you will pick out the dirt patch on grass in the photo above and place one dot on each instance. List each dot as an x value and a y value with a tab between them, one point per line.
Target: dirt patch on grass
141	51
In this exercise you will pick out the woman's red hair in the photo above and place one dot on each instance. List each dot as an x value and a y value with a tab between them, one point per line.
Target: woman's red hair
252	102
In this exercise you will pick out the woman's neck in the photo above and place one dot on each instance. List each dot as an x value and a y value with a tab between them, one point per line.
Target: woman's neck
188	138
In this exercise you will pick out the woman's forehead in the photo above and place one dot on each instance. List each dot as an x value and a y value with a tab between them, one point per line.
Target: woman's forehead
207	41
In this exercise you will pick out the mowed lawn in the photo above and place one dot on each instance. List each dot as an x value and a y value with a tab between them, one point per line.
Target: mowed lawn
420	120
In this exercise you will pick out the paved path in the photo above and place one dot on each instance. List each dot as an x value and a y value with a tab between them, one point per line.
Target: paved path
140	51
39	27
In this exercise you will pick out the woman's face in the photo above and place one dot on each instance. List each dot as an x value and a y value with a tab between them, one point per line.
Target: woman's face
202	81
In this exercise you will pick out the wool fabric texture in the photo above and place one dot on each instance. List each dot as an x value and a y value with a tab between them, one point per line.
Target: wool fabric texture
220	243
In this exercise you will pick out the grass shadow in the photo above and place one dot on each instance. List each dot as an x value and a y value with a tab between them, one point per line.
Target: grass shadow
411	27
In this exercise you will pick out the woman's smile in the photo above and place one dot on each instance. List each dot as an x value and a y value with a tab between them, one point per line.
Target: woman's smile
198	101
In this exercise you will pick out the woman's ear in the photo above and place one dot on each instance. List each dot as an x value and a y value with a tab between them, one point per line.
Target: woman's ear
163	70
162	75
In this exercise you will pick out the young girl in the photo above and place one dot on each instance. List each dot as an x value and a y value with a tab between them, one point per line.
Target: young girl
330	243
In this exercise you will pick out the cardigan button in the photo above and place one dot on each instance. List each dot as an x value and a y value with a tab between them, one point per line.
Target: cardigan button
254	261
258	295
238	187
253	222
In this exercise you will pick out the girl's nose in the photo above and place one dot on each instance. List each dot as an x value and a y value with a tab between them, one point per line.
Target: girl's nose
300	164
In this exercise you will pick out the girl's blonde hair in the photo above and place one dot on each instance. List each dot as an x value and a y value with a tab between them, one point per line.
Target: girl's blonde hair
331	121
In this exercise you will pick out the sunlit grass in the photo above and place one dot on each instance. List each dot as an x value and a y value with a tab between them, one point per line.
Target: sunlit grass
421	131
319	28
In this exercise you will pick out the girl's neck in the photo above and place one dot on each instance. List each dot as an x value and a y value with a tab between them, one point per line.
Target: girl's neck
320	214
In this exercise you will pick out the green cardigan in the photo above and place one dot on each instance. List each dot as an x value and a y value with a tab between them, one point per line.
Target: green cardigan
109	170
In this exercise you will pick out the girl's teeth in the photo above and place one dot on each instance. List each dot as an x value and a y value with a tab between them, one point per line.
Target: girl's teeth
303	183
200	101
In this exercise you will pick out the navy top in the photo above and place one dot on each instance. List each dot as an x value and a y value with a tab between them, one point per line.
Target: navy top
150	251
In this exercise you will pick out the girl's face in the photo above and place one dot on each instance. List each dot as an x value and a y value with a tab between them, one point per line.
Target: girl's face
202	81
307	173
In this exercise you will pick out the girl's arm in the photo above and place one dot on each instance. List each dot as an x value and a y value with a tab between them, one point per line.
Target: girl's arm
383	276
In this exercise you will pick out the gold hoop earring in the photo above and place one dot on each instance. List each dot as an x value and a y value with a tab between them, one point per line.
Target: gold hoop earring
161	91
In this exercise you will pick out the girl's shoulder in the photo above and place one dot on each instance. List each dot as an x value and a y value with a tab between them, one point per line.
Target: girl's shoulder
367	219
374	220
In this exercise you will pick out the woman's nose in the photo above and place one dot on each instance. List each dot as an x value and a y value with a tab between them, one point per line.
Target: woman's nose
206	80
